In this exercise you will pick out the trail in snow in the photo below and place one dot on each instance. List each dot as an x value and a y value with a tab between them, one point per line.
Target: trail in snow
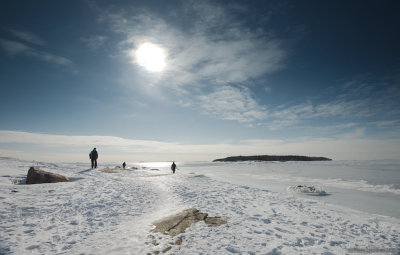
96	213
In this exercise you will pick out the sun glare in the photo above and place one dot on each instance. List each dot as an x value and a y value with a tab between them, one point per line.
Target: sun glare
151	57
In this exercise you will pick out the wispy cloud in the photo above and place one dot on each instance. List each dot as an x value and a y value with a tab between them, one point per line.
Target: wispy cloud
14	48
231	103
94	42
386	123
31	45
354	134
205	57
214	58
358	100
288	116
27	36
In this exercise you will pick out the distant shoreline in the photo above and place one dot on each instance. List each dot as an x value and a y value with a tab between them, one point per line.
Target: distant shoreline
271	158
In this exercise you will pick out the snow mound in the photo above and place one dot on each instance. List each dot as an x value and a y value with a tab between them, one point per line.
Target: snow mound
308	190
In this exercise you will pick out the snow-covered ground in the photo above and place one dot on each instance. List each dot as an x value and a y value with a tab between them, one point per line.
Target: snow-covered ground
112	213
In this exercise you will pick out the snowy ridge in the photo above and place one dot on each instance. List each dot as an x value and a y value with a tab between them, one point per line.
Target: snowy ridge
307	189
361	185
112	213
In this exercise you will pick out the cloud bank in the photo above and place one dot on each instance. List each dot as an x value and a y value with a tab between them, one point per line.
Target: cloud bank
47	147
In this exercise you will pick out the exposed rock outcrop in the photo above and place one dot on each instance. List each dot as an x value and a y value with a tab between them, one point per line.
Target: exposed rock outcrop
215	221
37	176
178	223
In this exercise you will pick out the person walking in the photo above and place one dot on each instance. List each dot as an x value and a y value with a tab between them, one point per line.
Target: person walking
173	167
124	165
93	157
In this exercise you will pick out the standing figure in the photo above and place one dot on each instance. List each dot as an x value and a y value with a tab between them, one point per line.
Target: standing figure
124	165
93	157
173	167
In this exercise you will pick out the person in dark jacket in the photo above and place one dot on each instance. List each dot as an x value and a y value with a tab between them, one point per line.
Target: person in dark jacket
93	157
124	165
173	167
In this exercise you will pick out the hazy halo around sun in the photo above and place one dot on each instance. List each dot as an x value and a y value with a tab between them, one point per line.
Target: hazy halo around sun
151	57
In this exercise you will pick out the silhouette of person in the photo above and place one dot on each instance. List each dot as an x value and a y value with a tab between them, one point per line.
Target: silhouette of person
173	167
124	165
93	157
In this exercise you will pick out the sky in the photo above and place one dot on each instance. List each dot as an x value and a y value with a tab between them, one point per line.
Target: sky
199	80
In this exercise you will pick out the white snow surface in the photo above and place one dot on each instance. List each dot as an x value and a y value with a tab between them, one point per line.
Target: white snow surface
112	213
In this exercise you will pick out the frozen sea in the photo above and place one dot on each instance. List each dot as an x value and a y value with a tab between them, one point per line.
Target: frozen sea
111	212
370	186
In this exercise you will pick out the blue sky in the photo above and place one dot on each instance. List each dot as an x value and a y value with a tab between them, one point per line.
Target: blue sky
318	78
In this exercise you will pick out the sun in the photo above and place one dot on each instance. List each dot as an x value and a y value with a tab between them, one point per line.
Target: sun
151	57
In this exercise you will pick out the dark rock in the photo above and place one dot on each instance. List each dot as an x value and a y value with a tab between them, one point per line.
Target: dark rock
215	221
37	176
167	249
179	241
178	223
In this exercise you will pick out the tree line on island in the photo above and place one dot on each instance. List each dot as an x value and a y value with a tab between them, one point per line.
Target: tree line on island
271	158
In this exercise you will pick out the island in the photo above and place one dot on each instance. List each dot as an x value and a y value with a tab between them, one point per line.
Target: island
271	158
